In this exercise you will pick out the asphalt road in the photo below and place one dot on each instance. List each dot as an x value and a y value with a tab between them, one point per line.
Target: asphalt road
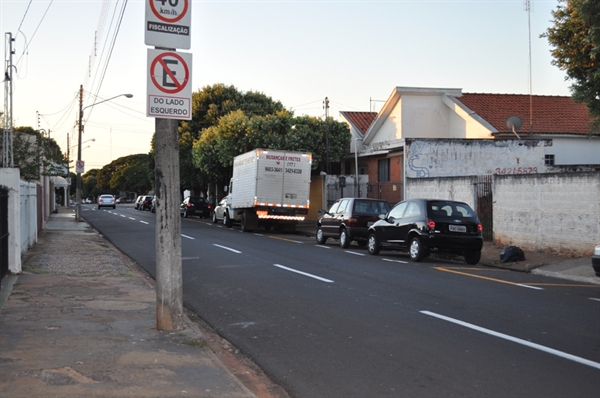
322	321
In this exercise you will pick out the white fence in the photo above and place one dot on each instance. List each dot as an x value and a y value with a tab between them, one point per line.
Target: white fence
27	214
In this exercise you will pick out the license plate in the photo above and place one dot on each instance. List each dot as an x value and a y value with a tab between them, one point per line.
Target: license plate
457	228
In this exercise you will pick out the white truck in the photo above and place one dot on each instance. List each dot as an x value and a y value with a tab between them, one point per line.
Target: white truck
269	188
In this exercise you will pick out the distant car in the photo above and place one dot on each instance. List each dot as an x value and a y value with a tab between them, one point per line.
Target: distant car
138	201
220	213
146	202
348	219
195	206
106	201
421	227
596	260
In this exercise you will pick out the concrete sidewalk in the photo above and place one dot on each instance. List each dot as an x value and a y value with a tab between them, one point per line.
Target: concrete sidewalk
81	322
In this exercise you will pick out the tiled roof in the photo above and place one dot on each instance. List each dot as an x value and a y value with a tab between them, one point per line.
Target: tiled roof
551	114
360	120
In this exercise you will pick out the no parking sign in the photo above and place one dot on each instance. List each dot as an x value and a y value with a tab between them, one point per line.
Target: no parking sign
169	85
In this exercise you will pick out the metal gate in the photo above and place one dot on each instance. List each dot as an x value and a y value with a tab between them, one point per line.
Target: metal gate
3	232
483	190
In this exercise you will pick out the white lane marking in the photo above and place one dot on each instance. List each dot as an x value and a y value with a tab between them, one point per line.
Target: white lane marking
189	237
529	287
323	247
303	273
355	253
143	222
394	261
552	351
227	248
123	215
131	218
189	258
595	299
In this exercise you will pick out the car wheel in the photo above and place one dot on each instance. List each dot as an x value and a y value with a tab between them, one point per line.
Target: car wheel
185	215
472	258
416	250
99	207
214	218
321	239
373	244
114	207
344	239
227	220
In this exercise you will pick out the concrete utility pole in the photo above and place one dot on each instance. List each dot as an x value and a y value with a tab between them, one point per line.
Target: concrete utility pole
169	294
7	134
78	186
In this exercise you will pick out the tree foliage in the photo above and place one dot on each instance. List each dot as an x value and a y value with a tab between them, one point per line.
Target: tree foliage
575	38
128	173
36	155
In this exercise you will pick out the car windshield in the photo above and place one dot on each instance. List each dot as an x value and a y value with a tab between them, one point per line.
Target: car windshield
450	209
197	200
371	207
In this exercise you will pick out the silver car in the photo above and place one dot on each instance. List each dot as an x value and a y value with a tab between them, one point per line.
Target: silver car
220	212
106	201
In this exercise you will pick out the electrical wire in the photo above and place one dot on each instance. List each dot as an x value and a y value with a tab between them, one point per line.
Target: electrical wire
36	29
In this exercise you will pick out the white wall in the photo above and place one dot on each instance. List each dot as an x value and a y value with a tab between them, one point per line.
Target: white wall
459	189
10	178
553	212
453	158
575	150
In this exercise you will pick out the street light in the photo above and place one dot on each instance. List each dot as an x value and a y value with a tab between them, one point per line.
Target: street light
78	190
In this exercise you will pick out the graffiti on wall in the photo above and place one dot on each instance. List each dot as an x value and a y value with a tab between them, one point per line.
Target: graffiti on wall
462	157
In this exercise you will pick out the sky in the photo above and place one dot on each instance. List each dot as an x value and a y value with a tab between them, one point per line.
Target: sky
297	52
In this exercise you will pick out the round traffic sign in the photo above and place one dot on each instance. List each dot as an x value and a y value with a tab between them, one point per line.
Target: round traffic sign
170	11
163	61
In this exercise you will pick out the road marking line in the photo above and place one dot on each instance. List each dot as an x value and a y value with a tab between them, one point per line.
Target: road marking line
355	253
303	273
143	222
323	247
122	215
189	258
486	278
595	299
287	240
189	237
227	248
516	340
131	218
394	261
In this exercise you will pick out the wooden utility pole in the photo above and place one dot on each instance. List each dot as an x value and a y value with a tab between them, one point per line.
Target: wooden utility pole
169	294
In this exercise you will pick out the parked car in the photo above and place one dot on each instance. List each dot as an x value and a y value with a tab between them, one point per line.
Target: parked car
422	226
220	212
596	260
138	201
195	206
144	202
348	219
106	201
153	205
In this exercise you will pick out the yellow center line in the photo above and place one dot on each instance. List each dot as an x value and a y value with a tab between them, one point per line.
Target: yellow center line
287	240
453	270
475	276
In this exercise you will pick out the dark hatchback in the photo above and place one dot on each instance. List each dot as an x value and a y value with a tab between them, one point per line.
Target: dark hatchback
423	226
195	206
144	202
348	219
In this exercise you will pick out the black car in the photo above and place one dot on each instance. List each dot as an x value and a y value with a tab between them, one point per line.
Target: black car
596	260
195	206
424	226
348	219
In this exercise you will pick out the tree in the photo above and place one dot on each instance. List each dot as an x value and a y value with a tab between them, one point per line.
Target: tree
36	155
575	38
209	105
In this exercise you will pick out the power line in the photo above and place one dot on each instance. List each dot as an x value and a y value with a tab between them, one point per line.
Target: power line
36	29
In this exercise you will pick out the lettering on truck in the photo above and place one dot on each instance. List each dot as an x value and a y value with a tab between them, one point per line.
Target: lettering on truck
285	158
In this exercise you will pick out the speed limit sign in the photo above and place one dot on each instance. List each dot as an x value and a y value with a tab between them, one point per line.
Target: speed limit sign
168	23
79	166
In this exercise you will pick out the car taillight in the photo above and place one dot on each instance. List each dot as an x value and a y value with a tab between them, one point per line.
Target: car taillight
479	227
208	207
352	222
189	205
430	223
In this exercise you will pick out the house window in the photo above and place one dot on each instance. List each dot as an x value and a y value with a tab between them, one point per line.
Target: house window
549	160
383	173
